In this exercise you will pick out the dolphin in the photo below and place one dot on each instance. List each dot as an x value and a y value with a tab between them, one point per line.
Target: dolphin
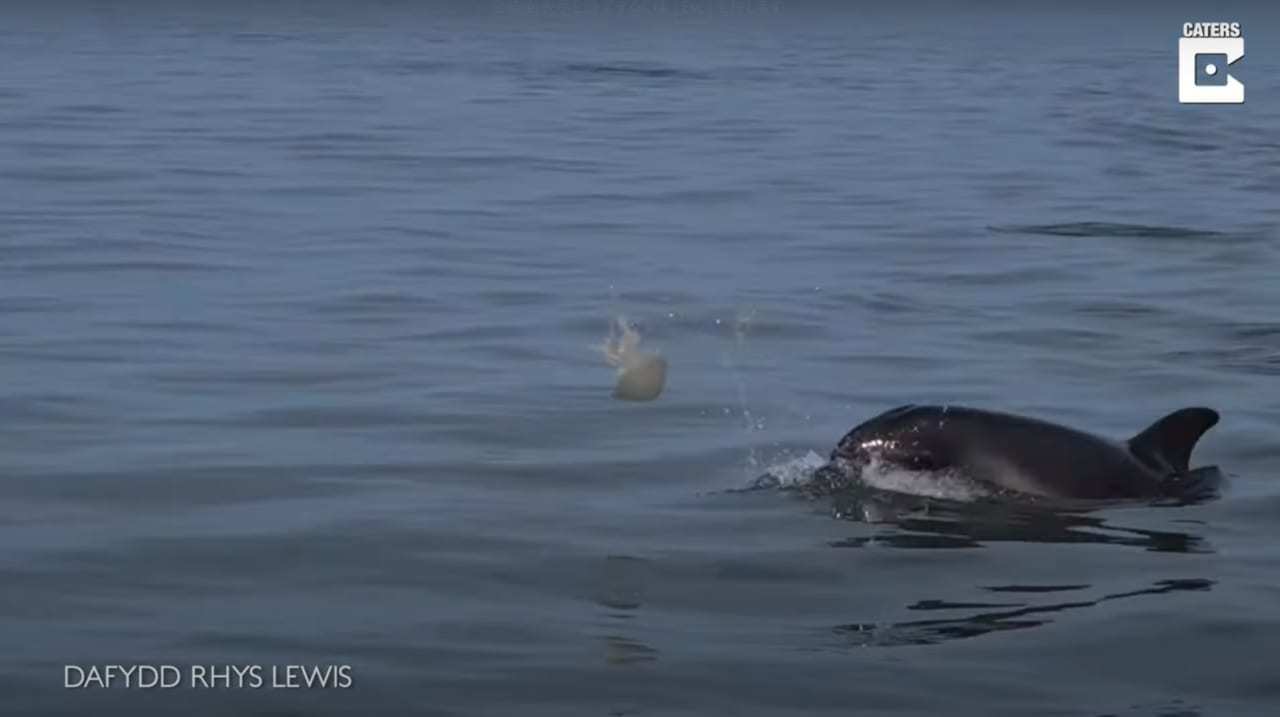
1017	456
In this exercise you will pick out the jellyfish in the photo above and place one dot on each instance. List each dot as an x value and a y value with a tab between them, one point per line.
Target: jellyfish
641	376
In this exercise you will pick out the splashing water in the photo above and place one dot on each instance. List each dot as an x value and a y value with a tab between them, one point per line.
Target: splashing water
742	323
789	473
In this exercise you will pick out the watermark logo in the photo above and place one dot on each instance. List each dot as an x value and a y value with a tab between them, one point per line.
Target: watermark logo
1206	52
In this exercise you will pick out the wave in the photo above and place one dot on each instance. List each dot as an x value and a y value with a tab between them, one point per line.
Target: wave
1109	230
632	70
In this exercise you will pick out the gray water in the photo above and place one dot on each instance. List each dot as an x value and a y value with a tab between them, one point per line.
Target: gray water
297	316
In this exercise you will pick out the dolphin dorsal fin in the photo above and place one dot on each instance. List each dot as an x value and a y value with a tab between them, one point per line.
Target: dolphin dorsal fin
1170	439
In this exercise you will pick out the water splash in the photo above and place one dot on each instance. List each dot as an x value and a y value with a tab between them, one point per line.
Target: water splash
741	326
789	473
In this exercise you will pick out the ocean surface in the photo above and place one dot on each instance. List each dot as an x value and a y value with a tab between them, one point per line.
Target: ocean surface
300	307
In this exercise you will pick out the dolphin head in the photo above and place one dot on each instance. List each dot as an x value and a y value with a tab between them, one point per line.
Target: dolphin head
896	437
854	453
902	436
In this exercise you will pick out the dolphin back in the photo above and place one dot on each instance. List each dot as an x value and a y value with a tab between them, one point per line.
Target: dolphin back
1168	442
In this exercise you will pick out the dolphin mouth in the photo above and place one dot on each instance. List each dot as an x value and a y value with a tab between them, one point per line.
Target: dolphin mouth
837	475
870	473
850	466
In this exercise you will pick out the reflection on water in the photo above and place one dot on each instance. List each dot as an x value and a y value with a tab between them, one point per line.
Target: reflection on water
1011	616
1114	230
622	583
903	521
626	651
1045	527
911	522
1170	708
621	591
